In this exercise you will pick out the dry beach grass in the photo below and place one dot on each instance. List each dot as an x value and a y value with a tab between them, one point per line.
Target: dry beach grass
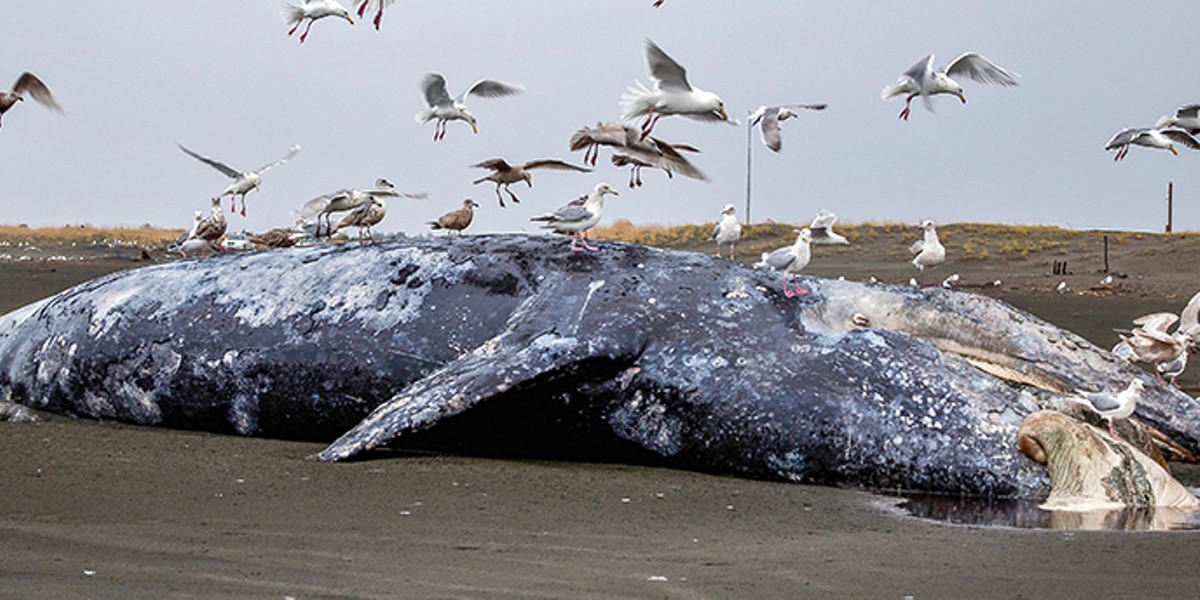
103	510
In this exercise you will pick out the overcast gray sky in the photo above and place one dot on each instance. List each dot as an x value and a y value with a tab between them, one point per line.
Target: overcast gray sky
223	78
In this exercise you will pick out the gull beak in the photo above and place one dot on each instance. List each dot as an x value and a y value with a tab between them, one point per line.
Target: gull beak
349	20
1173	151
474	129
962	97
724	115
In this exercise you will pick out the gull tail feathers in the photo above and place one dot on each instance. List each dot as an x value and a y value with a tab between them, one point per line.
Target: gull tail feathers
636	102
893	91
292	14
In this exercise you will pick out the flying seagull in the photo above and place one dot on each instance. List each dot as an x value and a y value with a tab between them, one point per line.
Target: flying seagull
28	83
672	94
504	174
1150	138
921	80
769	118
243	182
822	229
444	108
1186	118
312	10
578	216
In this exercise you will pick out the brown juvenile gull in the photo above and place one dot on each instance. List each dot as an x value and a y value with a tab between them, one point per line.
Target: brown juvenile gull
444	108
28	83
1150	138
212	228
822	229
280	237
456	220
243	181
727	231
364	218
362	8
322	207
672	94
504	174
790	260
1152	342
312	10
928	251
578	216
921	80
620	137
190	242
769	118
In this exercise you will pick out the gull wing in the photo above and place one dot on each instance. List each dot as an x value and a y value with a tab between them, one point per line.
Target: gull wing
981	69
1158	322
1190	317
771	135
807	106
570	213
669	74
824	219
608	134
1103	401
494	164
1123	137
490	88
917	247
229	171
1182	137
386	193
28	83
549	163
292	152
318	205
1189	111
434	88
780	258
921	73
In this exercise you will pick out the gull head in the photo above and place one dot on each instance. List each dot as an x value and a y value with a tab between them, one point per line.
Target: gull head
384	184
604	188
470	204
728	210
803	237
927	225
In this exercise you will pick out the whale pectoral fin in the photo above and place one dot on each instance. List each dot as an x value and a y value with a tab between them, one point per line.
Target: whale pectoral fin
496	367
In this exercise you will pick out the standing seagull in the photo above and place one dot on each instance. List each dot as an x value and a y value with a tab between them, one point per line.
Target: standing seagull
769	117
929	251
28	83
1186	118
727	230
921	80
1112	406
364	218
243	182
362	8
822	229
456	220
578	216
790	260
504	174
672	94
312	10
444	108
1150	138
213	227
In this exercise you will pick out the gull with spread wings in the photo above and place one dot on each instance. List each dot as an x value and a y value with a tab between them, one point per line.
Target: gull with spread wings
444	108
922	80
243	181
504	174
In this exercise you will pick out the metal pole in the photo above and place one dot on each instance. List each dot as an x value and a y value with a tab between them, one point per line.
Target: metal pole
749	130
1170	204
1105	253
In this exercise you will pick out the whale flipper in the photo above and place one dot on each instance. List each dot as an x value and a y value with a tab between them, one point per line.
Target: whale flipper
538	346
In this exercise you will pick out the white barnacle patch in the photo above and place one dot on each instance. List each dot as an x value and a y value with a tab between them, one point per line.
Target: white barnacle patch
103	317
54	358
718	361
243	414
229	357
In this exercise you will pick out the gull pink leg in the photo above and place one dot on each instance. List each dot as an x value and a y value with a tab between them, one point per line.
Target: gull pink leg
362	7
294	28
304	36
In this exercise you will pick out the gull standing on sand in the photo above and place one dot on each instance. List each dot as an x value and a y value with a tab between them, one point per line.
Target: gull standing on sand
243	181
456	220
790	260
1112	406
444	108
362	8
323	206
672	94
312	10
578	216
822	229
769	118
28	83
1150	138
921	80
364	218
727	231
1186	118
504	174
929	251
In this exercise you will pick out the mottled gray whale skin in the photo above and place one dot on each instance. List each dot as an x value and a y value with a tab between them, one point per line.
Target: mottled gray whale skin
700	361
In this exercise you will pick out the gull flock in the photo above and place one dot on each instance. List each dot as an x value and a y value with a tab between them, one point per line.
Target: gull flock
633	146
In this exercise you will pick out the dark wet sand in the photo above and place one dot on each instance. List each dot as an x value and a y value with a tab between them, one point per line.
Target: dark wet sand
101	510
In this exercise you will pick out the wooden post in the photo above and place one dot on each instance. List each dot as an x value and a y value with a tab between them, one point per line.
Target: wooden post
1170	204
1106	253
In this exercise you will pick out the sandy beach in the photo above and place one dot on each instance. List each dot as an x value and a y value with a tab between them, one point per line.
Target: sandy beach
103	510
